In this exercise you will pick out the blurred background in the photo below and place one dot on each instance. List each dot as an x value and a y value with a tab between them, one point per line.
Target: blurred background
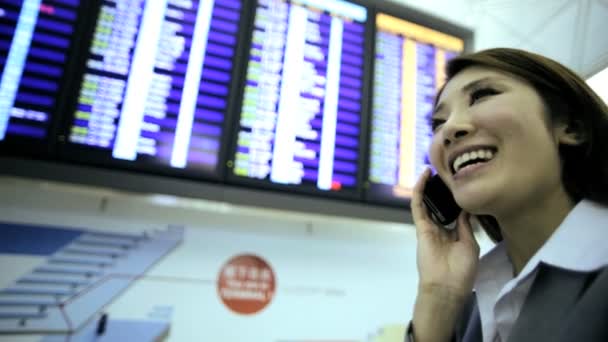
233	170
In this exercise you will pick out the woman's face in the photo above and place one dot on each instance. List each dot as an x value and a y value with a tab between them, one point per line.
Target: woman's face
492	143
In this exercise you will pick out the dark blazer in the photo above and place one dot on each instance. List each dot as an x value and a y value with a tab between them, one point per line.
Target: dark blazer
562	305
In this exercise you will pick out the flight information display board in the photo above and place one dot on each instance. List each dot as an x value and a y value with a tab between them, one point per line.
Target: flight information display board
35	38
300	120
157	83
408	70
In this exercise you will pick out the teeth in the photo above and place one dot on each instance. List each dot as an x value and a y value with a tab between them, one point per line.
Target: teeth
465	157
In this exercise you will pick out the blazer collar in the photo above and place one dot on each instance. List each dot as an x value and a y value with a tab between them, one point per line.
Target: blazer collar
552	296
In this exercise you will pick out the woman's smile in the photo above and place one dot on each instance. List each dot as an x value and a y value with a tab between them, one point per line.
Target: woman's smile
491	138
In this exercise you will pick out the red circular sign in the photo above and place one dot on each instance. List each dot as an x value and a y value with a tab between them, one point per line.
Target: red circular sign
246	284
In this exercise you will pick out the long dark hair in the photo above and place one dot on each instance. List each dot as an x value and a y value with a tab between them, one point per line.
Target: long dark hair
566	97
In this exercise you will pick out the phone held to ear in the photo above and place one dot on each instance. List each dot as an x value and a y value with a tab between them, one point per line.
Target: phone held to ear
440	202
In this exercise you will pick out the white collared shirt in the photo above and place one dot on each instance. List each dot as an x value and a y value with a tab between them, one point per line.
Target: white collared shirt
578	244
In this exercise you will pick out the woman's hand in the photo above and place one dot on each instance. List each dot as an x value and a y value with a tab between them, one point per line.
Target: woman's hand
445	259
447	264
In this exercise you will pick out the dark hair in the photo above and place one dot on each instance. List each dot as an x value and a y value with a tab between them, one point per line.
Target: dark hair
566	97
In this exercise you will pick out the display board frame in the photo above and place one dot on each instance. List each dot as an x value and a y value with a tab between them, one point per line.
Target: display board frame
44	149
309	189
371	191
87	155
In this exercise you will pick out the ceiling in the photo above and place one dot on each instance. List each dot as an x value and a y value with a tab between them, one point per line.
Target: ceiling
573	32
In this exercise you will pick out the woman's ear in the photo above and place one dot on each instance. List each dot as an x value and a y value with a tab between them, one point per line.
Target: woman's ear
570	133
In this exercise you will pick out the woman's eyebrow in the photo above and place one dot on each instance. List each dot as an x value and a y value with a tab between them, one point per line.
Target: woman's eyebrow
475	84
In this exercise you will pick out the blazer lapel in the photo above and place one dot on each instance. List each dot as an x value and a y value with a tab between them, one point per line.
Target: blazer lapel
549	301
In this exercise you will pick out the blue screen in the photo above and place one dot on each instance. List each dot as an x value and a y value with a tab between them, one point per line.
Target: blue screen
35	37
301	111
157	82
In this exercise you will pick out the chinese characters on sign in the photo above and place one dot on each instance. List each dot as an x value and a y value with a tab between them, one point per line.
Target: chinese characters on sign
246	284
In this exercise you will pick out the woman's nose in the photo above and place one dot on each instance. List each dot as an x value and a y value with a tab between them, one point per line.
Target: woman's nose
454	131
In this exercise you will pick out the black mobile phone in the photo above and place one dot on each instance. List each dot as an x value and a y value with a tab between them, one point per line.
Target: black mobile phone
440	202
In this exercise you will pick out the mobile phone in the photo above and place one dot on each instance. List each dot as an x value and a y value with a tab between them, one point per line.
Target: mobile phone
440	202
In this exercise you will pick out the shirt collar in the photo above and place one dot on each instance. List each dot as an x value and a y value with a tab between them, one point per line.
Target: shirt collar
493	273
578	244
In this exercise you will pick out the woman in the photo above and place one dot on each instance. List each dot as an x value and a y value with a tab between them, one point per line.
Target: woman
522	143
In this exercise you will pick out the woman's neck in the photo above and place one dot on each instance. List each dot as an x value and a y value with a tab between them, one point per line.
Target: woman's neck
526	229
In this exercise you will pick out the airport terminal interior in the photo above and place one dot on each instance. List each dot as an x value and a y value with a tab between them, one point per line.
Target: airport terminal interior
234	170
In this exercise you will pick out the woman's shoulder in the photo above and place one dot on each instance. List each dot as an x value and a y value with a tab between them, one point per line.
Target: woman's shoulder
597	283
562	305
586	319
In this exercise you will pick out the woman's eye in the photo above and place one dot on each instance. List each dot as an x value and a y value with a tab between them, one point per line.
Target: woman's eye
481	93
436	123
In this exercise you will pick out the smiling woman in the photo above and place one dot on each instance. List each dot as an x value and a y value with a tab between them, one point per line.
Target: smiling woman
520	141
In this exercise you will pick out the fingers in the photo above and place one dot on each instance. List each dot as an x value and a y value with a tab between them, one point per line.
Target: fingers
419	212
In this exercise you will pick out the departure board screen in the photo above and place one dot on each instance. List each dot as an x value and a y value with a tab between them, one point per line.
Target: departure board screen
35	37
408	70
302	102
157	82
